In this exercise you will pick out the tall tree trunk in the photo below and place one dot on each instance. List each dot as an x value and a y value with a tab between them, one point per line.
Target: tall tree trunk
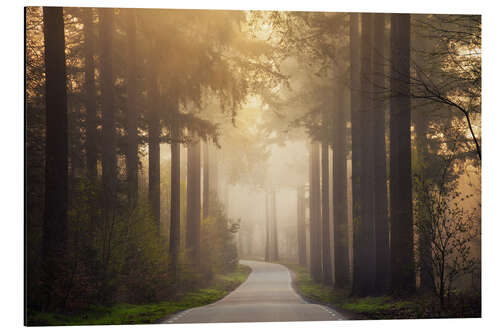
380	164
56	153
193	203
301	226
356	133
206	181
364	277
274	224
90	95
214	170
175	209
75	147
339	175
91	108
325	214
132	159
315	208
109	173
154	136
268	228
402	265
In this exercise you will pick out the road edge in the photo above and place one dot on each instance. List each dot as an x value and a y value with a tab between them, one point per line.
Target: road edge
346	314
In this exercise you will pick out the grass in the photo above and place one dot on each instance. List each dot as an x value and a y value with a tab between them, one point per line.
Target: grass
122	314
381	307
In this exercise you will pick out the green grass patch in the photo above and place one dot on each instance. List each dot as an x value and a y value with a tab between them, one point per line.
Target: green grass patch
122	314
383	307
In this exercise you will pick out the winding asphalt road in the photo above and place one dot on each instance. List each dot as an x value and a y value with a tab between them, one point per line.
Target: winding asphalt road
266	296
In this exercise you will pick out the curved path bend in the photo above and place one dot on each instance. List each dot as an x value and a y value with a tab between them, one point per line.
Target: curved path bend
266	296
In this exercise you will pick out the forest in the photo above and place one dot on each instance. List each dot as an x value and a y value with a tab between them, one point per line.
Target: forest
166	151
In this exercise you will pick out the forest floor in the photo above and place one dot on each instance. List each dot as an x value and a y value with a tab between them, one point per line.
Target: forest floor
381	307
122	314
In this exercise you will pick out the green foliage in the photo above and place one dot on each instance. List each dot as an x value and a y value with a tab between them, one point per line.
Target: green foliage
217	241
383	307
124	313
448	228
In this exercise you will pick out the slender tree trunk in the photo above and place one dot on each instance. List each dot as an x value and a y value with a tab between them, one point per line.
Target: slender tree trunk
108	112
339	175
268	229
301	226
91	108
194	203
175	215
206	181
364	277
109	172
90	92
325	214
380	164
315	207
56	153
402	265
274	224
356	133
132	159
154	137
214	170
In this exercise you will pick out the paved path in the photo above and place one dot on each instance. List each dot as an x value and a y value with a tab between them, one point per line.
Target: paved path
267	295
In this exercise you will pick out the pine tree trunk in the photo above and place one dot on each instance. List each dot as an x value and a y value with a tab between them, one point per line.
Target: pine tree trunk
380	164
206	181
132	159
364	277
315	208
325	214
108	112
268	228
356	133
274	233
402	265
175	215
339	175
90	95
109	173
301	226
56	153
193	203
154	137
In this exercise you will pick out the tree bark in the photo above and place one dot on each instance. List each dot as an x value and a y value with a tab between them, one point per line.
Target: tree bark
108	114
56	152
206	181
193	203
364	275
339	175
274	224
315	220
90	92
268	228
402	265
356	133
154	137
301	226
325	214
380	164
175	215
132	159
